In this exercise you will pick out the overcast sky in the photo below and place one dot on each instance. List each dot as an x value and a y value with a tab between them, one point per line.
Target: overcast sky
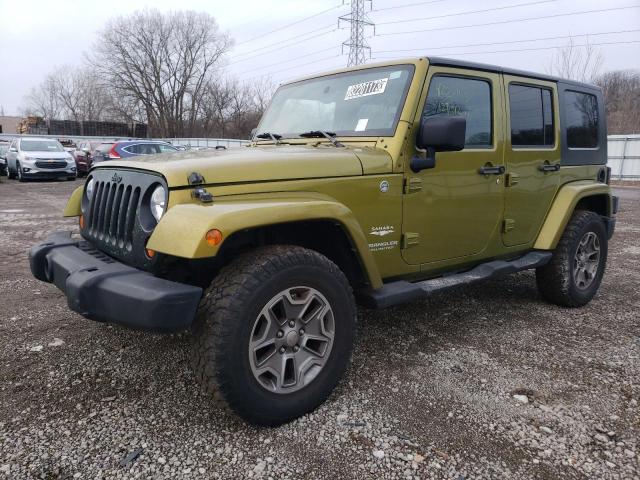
38	36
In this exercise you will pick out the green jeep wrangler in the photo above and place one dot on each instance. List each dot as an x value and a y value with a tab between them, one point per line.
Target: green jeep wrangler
376	185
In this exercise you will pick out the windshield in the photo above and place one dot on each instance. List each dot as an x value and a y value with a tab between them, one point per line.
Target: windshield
360	103
41	146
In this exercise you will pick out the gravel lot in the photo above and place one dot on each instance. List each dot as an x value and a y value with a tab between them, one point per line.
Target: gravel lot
483	382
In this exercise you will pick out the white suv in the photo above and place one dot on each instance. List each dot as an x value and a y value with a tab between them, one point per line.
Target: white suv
32	157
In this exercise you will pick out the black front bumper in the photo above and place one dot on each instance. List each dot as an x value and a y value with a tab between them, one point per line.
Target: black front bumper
103	289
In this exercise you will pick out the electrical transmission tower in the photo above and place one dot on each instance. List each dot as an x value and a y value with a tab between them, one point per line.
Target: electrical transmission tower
357	43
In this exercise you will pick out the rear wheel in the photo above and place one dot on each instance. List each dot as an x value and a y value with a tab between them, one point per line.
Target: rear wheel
574	274
274	333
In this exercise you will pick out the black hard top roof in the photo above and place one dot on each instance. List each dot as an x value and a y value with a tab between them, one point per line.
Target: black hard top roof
449	62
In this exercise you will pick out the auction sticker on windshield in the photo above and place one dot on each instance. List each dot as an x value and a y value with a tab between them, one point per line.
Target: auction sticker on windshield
373	87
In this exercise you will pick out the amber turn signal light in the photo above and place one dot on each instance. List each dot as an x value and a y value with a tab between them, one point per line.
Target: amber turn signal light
213	237
81	221
150	253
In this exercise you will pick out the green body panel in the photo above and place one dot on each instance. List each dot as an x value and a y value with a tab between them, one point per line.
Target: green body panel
563	206
401	224
530	191
72	209
181	231
457	212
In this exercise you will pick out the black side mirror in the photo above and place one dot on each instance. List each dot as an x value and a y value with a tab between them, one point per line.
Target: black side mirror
440	133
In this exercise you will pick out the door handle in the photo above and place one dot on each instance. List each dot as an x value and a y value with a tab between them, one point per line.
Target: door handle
547	167
491	170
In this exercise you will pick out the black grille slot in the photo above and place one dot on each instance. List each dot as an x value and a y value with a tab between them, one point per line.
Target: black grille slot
112	213
51	164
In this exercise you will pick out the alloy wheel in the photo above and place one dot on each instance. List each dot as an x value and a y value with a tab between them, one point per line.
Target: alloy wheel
291	339
586	260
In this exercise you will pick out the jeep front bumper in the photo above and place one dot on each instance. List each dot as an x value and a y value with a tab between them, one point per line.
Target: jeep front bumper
103	289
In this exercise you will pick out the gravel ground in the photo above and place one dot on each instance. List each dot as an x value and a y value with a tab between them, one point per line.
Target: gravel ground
483	382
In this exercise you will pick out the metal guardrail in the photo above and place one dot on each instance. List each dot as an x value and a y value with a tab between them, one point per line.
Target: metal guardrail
193	142
624	156
623	150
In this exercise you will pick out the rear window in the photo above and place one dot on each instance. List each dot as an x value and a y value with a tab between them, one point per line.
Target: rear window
531	115
104	147
581	113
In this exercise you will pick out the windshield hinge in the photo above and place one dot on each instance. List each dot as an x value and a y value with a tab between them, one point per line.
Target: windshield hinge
410	239
195	178
412	184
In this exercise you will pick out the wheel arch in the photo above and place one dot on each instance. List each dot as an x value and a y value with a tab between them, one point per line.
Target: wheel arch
325	226
580	195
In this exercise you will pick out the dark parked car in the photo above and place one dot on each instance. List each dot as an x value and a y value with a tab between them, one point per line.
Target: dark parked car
4	148
83	154
131	148
101	153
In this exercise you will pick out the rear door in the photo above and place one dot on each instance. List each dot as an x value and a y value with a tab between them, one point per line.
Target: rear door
532	156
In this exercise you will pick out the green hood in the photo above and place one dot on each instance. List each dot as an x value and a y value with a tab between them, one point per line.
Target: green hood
255	164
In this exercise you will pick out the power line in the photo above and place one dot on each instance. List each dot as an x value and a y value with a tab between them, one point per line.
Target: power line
502	22
294	66
469	12
288	61
406	5
262	35
288	42
509	42
530	49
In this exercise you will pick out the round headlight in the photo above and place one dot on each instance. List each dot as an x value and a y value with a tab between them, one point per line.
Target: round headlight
89	188
158	202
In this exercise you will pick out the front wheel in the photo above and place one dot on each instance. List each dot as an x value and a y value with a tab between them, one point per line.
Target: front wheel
574	274
274	333
20	174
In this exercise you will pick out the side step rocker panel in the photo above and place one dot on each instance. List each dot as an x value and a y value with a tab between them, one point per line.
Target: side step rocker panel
402	291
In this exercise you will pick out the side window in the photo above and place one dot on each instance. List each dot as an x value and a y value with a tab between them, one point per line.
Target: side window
166	148
466	97
581	112
531	113
135	149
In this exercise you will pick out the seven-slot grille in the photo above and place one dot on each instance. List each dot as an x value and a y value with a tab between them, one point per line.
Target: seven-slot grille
44	163
112	213
117	218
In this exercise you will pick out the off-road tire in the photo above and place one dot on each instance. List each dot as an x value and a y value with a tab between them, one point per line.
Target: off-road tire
555	280
225	318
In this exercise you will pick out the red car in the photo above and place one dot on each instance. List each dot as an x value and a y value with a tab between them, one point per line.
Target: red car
83	155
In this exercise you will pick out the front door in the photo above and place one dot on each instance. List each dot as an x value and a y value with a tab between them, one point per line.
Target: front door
532	157
454	210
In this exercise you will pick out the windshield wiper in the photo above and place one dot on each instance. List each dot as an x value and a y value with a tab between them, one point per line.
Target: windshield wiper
320	134
273	136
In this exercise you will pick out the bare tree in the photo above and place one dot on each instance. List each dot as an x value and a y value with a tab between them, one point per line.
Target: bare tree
163	61
43	100
621	91
576	62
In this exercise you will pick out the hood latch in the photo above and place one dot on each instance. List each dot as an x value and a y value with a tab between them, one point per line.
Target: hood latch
199	193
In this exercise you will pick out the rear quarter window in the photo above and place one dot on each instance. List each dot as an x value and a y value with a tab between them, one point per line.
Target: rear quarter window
582	119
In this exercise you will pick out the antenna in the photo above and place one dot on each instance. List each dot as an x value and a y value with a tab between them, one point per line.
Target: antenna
356	43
